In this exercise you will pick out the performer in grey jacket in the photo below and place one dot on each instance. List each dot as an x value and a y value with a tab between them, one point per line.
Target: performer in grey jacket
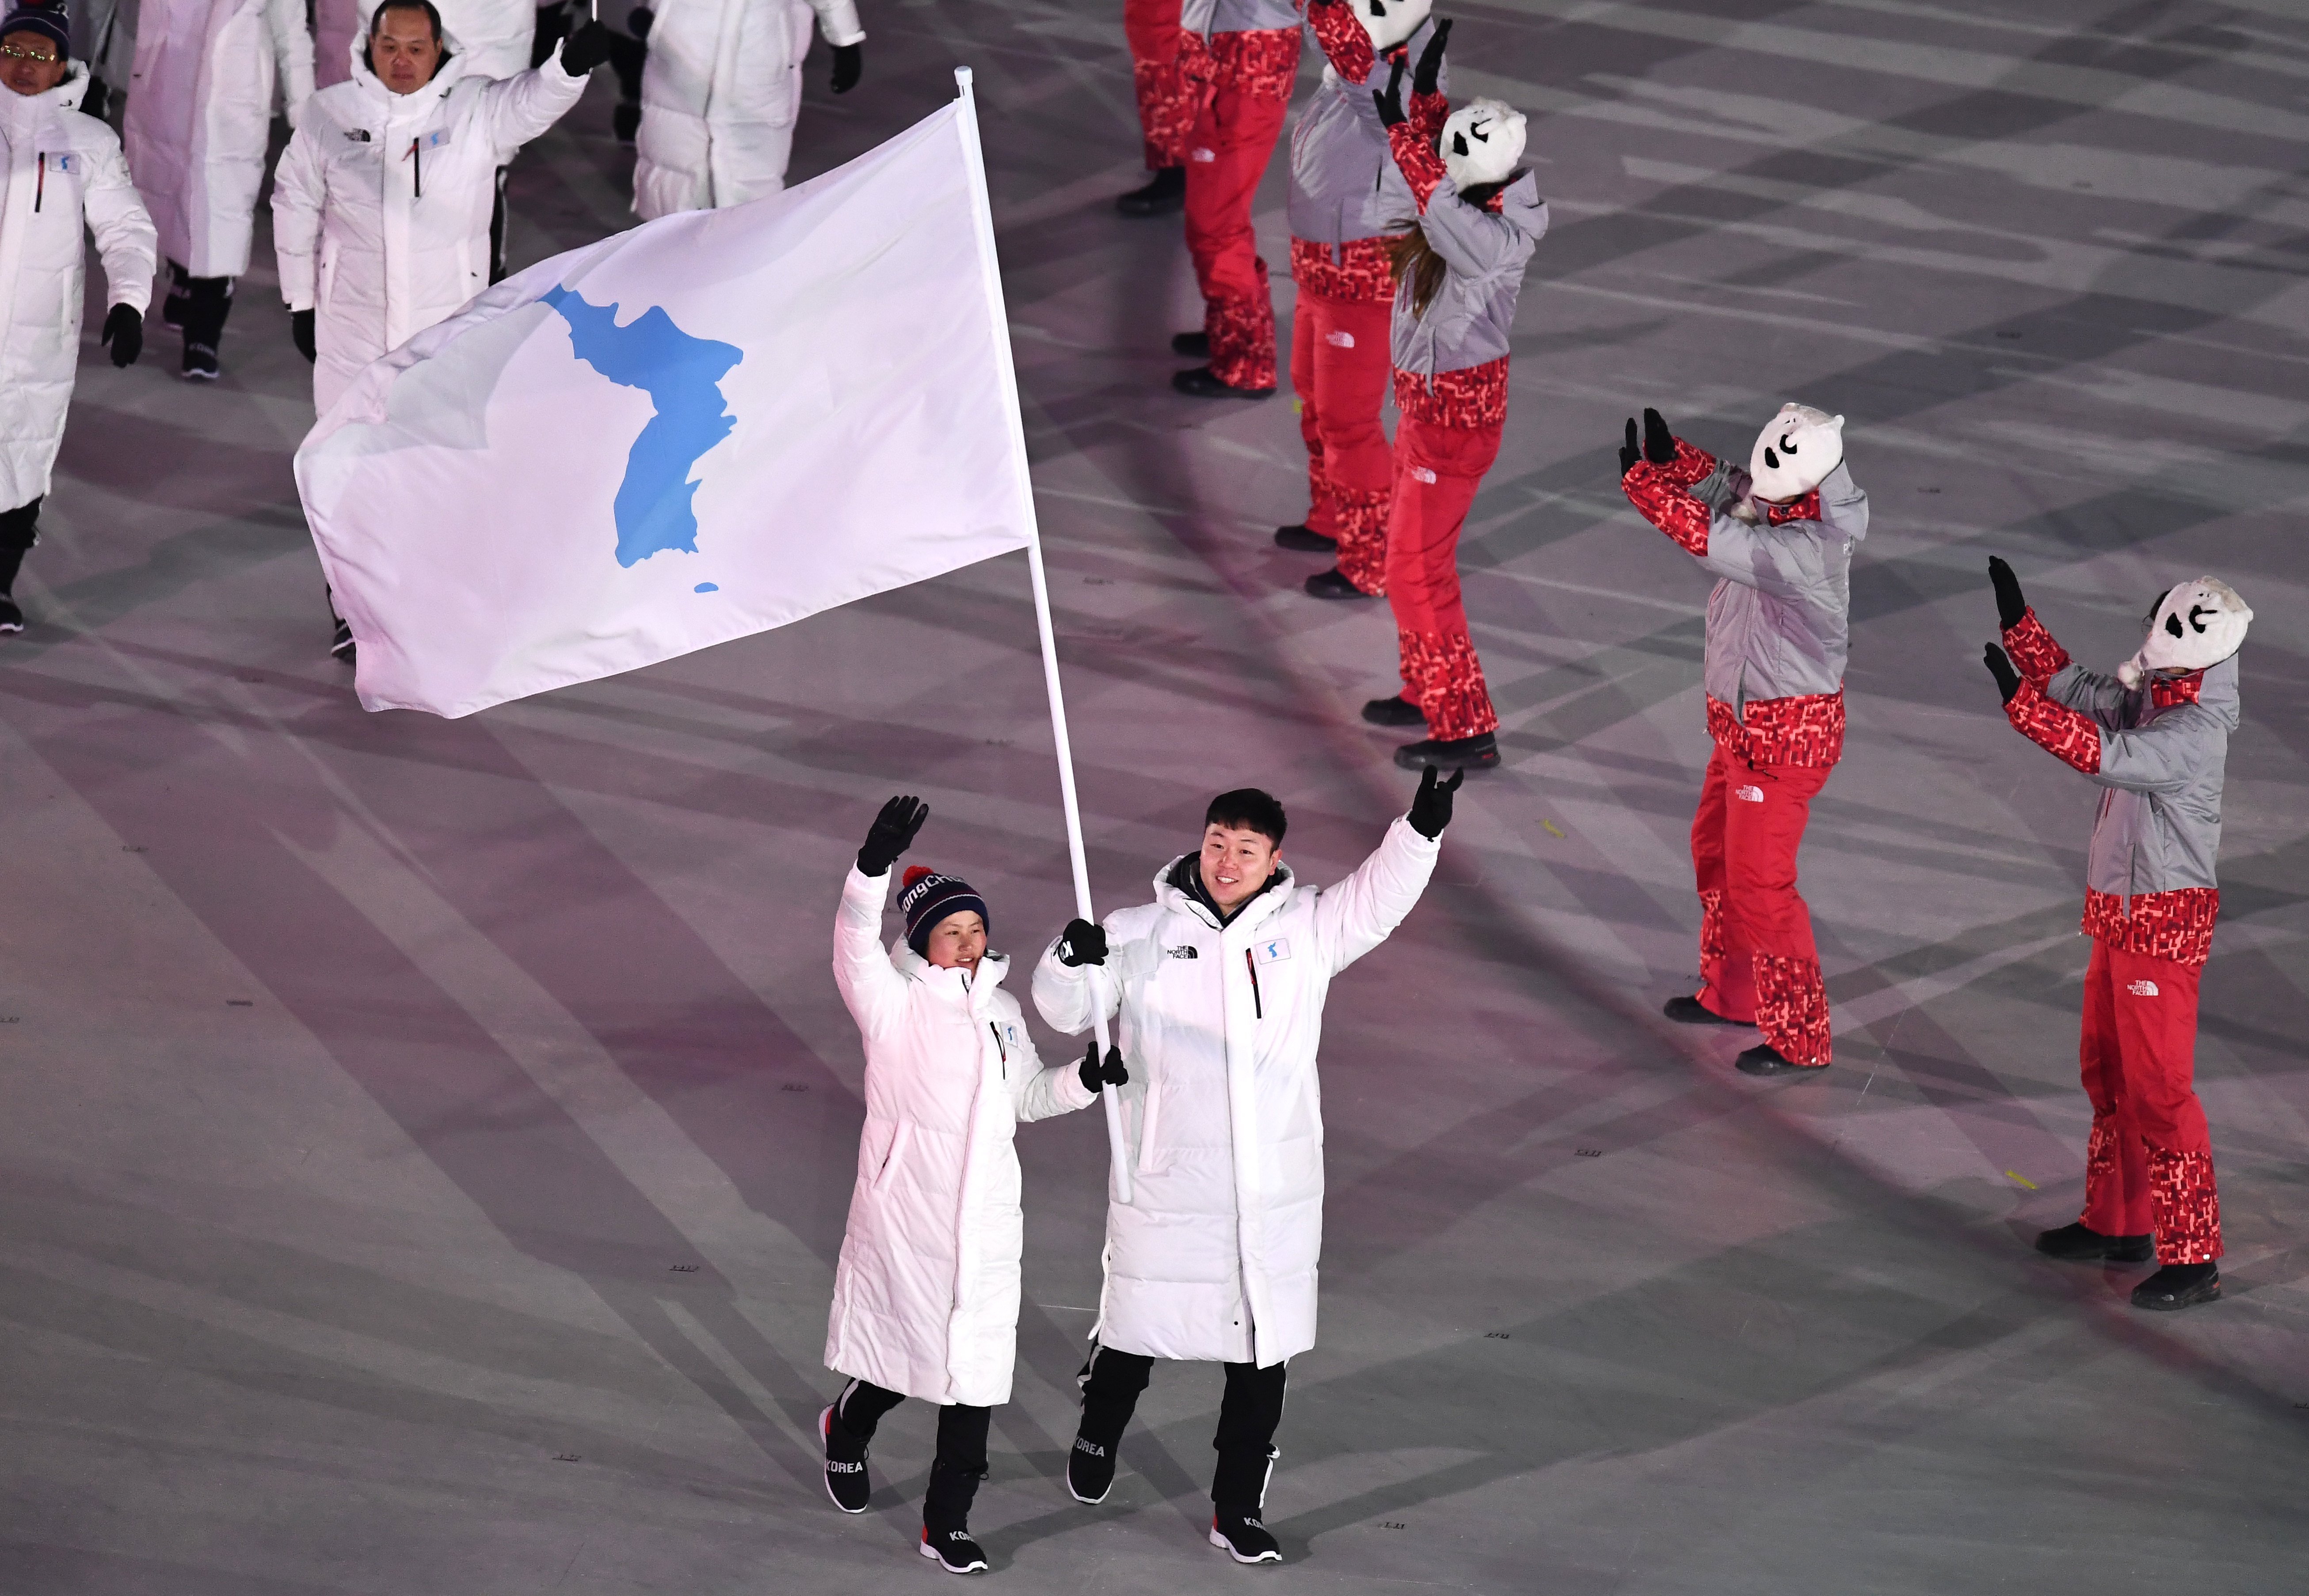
2156	735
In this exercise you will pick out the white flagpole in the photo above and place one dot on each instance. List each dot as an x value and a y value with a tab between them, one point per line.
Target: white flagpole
1117	1152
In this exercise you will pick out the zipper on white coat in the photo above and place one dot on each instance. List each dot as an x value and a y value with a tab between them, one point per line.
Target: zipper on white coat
1258	1012
1001	1053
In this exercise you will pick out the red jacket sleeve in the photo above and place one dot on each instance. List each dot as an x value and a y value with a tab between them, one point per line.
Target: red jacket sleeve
1344	41
1429	113
2061	731
2035	654
1663	495
1415	156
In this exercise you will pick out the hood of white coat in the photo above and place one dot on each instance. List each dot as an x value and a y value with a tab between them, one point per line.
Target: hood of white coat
66	96
1794	453
450	69
1183	903
949	981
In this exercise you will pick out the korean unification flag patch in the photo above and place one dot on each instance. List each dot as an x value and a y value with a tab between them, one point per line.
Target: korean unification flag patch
63	160
1271	952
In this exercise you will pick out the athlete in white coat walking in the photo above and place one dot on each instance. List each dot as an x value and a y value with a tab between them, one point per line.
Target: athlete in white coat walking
720	94
61	169
926	1294
200	116
1219	983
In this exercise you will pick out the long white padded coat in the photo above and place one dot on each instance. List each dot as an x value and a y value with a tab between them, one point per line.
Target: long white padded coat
926	1293
62	168
200	113
1215	1256
719	93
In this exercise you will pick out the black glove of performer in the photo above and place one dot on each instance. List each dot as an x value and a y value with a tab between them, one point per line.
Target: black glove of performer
1431	807
1389	100
1082	943
2011	606
300	328
1094	1074
2008	680
124	330
585	50
640	20
1631	450
893	834
1430	60
1659	442
849	66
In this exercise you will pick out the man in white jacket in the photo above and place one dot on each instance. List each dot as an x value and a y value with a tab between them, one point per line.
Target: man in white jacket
926	1294
719	93
62	169
200	116
1219	985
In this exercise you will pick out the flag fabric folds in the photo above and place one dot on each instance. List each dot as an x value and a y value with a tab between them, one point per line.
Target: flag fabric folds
719	422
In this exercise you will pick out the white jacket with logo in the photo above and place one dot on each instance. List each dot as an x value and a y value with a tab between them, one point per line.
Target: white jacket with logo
720	92
62	166
1216	1257
200	113
926	1294
380	202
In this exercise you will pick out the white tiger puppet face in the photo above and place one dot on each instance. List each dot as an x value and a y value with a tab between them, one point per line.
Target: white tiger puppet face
1794	453
1483	141
1391	22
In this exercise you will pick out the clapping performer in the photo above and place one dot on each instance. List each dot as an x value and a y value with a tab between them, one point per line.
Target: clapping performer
1778	539
1219	985
2156	735
926	1293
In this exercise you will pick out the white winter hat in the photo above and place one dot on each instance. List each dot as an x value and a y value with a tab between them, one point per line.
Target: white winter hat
1482	143
1794	453
1391	22
2199	624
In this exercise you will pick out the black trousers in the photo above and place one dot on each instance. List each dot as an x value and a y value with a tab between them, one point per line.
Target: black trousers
961	1461
202	304
1250	1413
19	529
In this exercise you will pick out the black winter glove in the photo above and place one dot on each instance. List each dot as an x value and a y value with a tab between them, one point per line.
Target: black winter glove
300	328
124	330
1631	450
2011	606
1389	100
849	66
2008	680
1094	1074
640	20
1431	807
585	50
1659	442
893	834
1082	943
1430	60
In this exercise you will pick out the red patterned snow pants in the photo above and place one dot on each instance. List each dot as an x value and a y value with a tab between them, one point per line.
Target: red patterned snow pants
1166	105
1227	154
1437	470
2149	1164
1757	960
1340	370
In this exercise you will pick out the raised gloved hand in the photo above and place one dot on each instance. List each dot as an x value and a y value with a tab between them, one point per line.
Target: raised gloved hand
2011	606
1389	100
1431	806
1082	943
640	20
1659	442
585	50
849	66
1630	450
124	330
1430	60
2008	680
892	834
1094	1074
300	329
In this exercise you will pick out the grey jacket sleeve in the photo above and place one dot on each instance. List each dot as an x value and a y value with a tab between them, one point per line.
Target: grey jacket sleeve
1476	244
2090	693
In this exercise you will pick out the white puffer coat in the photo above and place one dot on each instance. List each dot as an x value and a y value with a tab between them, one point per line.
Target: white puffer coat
62	166
1214	1258
926	1294
200	113
719	93
381	204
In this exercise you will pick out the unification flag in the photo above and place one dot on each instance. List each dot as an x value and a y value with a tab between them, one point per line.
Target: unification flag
714	424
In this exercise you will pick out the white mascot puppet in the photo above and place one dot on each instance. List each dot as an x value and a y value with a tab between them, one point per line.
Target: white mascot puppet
2196	626
1482	140
1794	453
1389	25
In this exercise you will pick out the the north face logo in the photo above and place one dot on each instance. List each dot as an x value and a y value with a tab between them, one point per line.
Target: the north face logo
1092	1447
1749	795
2143	989
1339	339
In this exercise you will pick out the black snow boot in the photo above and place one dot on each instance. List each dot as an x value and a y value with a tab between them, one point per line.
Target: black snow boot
1691	1011
1304	539
1165	193
1203	382
1110	1384
2076	1244
946	1518
846	1479
1332	583
2178	1286
1394	710
1194	346
172	306
1238	1496
1242	1536
1480	751
1765	1059
19	531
